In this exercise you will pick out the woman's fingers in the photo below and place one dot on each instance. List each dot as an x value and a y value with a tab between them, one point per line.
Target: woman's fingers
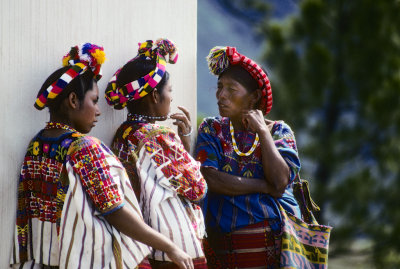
181	124
180	117
181	259
188	264
253	119
185	111
182	120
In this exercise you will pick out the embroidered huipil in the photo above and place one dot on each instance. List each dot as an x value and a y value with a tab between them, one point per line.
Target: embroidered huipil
168	181
65	187
214	149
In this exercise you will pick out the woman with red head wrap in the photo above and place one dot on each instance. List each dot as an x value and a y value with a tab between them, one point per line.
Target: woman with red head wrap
248	162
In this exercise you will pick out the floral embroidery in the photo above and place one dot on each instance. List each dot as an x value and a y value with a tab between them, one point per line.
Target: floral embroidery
35	148
246	166
66	142
248	174
77	135
227	168
214	149
202	156
126	132
42	185
53	150
46	148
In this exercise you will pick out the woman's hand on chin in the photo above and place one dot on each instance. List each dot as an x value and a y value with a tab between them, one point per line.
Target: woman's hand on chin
253	120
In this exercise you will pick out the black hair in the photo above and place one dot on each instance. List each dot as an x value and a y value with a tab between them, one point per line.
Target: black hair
138	68
80	85
241	75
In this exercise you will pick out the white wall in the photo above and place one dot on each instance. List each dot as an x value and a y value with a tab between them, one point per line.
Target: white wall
34	35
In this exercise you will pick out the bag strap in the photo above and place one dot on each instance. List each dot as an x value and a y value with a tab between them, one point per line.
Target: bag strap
302	194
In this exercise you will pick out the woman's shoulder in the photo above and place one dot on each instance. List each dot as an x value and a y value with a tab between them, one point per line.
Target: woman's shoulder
52	147
139	131
84	142
213	120
213	125
148	131
280	128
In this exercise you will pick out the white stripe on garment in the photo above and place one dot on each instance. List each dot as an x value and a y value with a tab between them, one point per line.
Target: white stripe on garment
165	211
99	232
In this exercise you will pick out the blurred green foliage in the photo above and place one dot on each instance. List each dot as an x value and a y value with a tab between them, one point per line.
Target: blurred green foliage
335	75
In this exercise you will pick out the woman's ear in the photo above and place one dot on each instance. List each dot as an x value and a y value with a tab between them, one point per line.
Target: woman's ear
156	98
256	98
73	100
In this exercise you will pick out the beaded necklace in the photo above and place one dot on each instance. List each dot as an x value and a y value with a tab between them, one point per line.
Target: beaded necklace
58	125
144	118
238	152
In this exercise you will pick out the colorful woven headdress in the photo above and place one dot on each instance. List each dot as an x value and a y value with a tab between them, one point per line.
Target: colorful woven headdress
79	59
220	58
118	97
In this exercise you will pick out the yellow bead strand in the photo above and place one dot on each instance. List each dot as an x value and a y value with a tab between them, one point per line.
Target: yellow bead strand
238	152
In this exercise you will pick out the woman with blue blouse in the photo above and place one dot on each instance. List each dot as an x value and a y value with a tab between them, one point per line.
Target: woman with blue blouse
249	163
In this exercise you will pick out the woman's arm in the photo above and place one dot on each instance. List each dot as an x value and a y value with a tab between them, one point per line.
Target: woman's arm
85	152
131	225
226	184
276	170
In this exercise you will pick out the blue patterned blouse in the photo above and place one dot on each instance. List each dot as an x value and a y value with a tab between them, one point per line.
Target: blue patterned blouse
214	149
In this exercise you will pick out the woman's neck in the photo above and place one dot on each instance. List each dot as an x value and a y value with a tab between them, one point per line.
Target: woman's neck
237	124
56	132
62	120
147	113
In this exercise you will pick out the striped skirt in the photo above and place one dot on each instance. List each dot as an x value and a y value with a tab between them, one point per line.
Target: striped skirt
253	246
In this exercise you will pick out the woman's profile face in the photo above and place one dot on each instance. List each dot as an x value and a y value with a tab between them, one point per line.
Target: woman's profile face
85	117
164	106
233	98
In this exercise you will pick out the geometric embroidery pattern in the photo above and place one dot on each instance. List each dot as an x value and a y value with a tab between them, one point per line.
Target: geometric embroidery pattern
304	245
41	188
167	153
176	165
89	162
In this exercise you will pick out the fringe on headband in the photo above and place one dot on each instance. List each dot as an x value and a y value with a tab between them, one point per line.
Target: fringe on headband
217	60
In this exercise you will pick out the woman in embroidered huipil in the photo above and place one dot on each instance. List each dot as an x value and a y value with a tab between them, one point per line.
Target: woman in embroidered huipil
248	162
74	196
166	179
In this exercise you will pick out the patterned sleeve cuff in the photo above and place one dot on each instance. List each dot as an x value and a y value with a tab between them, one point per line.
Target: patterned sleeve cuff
88	159
113	209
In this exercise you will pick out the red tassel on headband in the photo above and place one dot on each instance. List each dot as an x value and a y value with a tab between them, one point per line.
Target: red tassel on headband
221	58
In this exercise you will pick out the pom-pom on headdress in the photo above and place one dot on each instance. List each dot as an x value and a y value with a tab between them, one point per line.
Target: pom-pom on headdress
79	58
119	97
220	58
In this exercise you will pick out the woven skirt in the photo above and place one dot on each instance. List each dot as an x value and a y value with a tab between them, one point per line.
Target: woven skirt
199	263
253	246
